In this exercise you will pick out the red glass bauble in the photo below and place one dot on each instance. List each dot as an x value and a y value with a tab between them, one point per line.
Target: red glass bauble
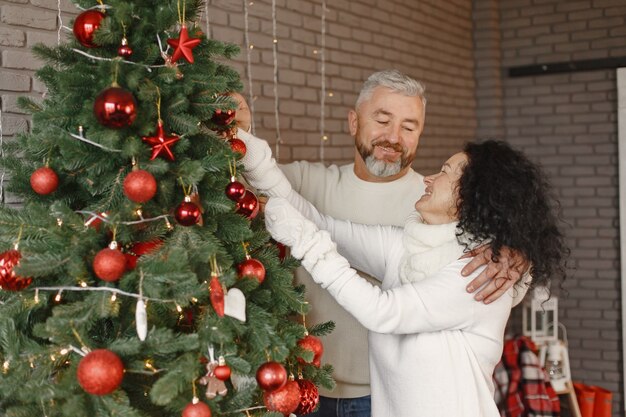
222	372
140	186
109	264
140	248
44	181
309	397
251	268
187	213
124	50
85	25
115	108
9	281
238	146
198	409
235	190
223	117
284	400
248	205
100	372
313	344
271	376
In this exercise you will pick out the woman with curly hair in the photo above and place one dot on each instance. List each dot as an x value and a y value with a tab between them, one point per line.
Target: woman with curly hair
433	349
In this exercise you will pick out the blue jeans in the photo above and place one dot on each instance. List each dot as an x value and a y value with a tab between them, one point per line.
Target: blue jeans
344	407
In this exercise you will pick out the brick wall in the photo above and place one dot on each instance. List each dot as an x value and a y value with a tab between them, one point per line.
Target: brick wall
429	40
567	122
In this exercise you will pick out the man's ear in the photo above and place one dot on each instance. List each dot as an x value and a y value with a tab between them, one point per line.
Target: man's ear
353	122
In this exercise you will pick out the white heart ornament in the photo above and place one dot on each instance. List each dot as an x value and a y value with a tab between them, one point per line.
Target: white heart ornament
235	304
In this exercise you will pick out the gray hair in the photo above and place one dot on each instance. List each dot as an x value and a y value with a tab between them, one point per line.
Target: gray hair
396	81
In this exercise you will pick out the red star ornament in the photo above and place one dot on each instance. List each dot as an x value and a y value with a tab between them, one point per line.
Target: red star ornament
183	46
161	143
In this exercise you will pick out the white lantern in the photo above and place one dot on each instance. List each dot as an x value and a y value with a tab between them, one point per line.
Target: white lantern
540	316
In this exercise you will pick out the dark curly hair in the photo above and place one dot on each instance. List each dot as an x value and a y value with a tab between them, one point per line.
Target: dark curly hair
505	200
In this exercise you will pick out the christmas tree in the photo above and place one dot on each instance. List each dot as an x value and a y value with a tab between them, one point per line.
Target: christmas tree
138	279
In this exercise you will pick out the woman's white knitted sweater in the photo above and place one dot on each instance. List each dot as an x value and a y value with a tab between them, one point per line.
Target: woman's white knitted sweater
433	348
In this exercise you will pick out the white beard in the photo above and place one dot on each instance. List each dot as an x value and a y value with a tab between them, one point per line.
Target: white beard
380	168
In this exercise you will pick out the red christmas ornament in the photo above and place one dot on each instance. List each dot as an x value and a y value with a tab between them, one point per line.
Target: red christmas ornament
309	397
217	295
271	376
115	108
140	248
100	372
109	264
235	190
85	25
238	146
44	181
161	143
313	344
248	205
222	371
284	400
124	50
223	117
282	250
139	186
183	45
251	268
187	213
198	409
9	281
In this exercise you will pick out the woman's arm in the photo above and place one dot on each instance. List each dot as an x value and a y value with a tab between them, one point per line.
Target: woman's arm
436	303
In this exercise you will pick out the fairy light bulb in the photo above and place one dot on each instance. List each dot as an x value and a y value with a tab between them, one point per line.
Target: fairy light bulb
113	297
83	284
57	297
179	308
64	351
5	367
37	297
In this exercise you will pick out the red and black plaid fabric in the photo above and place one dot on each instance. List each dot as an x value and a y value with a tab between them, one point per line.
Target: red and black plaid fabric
523	386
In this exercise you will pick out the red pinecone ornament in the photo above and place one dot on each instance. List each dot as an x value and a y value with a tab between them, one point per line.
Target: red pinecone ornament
187	213
314	345
238	146
85	25
217	295
9	281
309	397
284	400
44	181
251	268
100	372
115	108
271	376
109	264
248	205
198	409
140	186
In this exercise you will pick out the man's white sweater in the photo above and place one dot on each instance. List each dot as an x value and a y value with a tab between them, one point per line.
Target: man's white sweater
338	192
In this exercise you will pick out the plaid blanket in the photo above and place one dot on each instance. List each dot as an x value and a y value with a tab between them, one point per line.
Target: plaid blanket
522	386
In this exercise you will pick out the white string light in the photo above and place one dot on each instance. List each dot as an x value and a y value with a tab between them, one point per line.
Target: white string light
84	139
275	54
60	22
105	289
323	136
1	156
98	58
249	48
105	218
206	16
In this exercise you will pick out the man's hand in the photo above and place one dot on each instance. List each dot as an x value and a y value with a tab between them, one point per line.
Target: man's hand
501	275
243	118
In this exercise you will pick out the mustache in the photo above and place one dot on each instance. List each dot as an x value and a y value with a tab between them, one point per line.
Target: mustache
395	146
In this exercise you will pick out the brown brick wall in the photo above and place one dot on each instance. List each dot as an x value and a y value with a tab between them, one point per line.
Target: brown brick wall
568	123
